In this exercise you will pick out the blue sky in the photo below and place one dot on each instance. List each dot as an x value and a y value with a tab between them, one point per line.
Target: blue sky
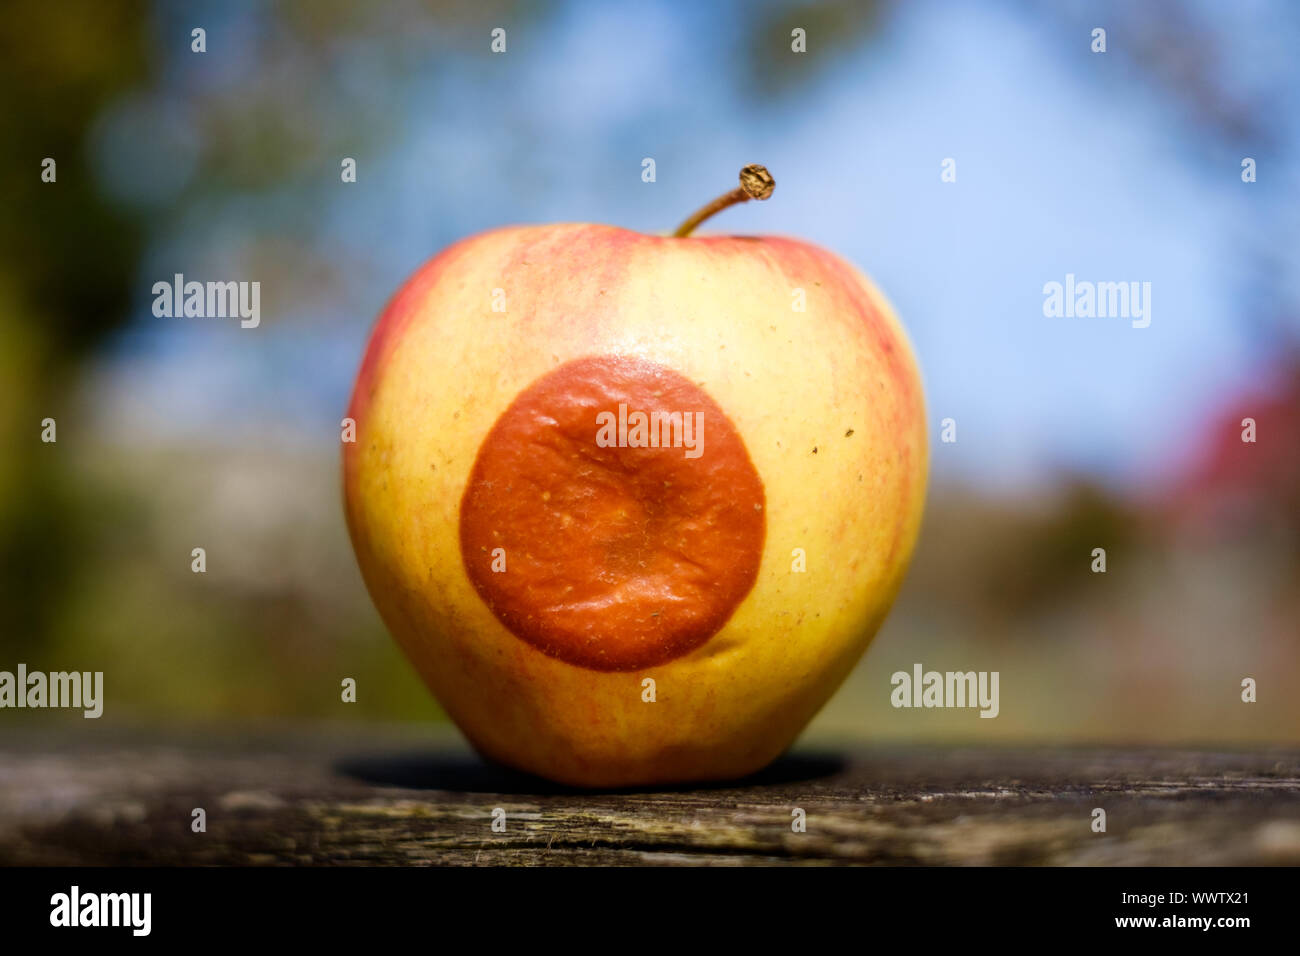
1067	162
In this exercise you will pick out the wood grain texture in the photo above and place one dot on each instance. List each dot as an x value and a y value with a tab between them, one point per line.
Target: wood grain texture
334	796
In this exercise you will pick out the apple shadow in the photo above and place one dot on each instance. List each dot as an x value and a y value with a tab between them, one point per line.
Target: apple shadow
466	773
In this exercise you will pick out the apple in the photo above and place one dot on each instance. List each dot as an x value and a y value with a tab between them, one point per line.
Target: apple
634	505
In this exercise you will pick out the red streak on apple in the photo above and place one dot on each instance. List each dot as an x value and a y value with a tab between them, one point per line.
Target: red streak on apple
615	558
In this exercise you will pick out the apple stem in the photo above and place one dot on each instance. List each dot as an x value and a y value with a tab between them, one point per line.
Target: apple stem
755	183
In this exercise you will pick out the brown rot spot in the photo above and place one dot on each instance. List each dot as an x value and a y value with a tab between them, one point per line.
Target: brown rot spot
613	518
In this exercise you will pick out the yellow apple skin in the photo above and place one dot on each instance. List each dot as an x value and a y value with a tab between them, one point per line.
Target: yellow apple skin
828	402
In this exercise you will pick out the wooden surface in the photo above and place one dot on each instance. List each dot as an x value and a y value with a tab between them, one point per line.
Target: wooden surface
340	796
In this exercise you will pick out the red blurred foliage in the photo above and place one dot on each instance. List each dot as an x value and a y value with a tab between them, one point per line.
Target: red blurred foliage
1241	483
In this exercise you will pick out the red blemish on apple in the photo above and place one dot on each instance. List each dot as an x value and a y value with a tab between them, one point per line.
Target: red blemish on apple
612	557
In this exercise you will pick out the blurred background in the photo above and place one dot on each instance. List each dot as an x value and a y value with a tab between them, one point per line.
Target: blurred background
1072	433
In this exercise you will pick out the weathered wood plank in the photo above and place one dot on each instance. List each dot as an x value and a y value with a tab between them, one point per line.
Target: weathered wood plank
329	798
